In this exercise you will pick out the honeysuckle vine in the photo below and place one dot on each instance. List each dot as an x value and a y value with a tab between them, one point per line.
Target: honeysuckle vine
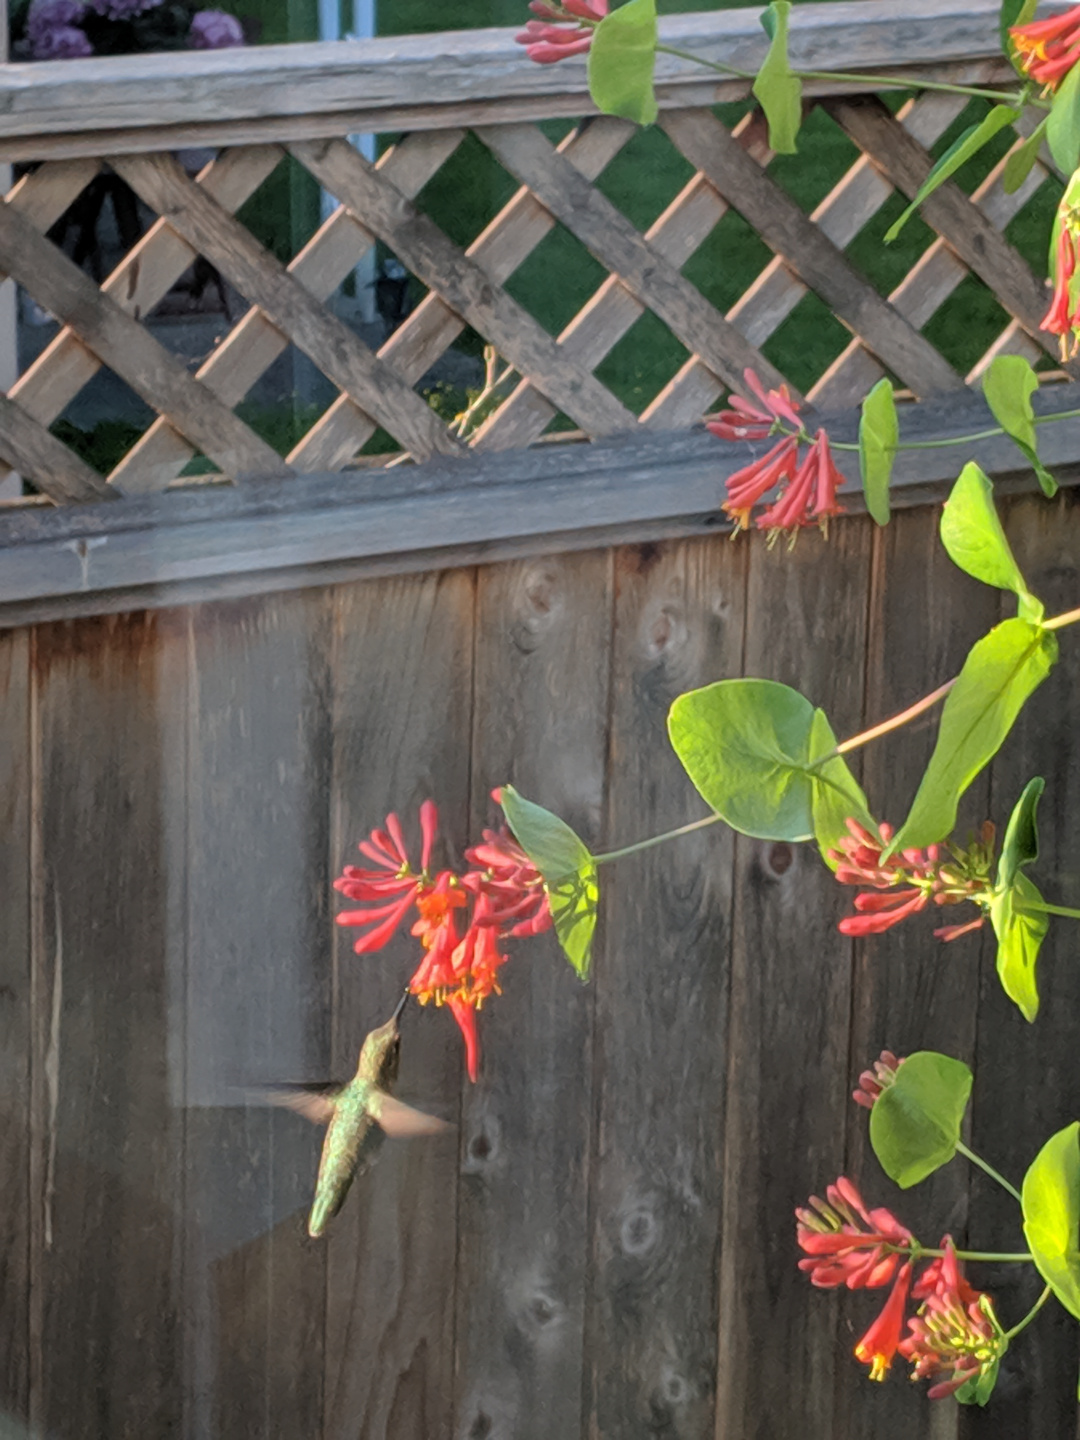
767	763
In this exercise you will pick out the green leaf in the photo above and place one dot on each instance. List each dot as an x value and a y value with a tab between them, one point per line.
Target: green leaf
568	870
1021	844
878	434
971	533
1014	12
1019	937
1008	385
1051	1205
777	90
622	58
1063	125
750	746
915	1122
1001	671
1020	162
959	153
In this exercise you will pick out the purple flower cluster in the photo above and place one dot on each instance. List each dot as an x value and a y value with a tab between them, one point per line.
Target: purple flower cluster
214	30
52	29
122	9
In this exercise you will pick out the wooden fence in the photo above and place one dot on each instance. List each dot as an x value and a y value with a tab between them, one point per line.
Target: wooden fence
211	693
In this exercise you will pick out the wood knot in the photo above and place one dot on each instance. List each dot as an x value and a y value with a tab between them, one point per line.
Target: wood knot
480	1429
779	858
638	1232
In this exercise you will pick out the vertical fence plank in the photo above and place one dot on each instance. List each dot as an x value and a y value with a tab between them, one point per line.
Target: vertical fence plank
402	722
1026	1080
107	1140
543	632
14	1022
790	997
911	992
257	996
661	1010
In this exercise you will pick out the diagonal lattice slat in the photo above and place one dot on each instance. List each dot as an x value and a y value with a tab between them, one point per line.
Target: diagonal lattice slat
428	332
129	349
263	279
136	285
255	343
464	285
959	222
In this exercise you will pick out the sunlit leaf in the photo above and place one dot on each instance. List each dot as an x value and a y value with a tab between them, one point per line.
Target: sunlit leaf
622	58
958	154
878	434
1020	846
971	533
568	870
1008	384
1000	673
1020	162
915	1122
776	88
1051	1205
1063	125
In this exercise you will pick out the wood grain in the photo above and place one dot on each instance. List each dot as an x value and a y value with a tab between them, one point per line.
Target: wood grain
464	285
105	1204
785	227
15	1024
264	280
402	722
790	1006
661	1025
911	992
542	633
61	474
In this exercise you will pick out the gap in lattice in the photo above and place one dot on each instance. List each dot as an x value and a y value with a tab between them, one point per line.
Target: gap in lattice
967	324
284	212
825	156
639	366
645	176
556	280
728	261
804	345
103	421
467	192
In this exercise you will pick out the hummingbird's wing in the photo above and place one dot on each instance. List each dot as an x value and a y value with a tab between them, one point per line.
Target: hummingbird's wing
316	1105
401	1120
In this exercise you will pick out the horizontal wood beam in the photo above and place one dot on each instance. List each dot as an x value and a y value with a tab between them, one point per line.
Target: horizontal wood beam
213	541
298	91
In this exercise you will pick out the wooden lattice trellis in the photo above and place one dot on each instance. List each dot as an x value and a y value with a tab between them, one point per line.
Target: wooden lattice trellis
466	287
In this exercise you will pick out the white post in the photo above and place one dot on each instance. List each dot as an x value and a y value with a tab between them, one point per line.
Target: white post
10	485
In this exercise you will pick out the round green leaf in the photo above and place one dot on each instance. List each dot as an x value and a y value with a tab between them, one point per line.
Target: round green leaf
622	58
915	1122
971	530
1051	1204
568	870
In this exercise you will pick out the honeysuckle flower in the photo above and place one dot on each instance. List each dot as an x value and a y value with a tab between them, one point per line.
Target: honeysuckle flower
879	1345
748	421
393	885
1063	317
512	884
438	973
926	876
847	1244
955	1335
214	30
566	28
748	485
1048	49
873	1082
810	496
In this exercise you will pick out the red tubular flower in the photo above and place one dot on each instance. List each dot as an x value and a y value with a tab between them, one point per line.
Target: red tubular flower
878	913
546	42
873	1082
1048	49
512	884
465	1015
881	1342
747	421
437	930
955	1335
847	1244
747	486
1063	318
394	883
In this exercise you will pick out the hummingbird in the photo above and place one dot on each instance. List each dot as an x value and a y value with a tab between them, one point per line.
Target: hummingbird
358	1117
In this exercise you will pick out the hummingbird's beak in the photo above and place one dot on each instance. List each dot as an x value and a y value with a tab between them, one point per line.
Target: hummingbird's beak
401	1006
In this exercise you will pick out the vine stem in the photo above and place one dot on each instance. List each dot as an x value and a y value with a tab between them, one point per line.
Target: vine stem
1026	1321
911	713
1031	908
983	1165
656	840
1019	1258
874	81
990	434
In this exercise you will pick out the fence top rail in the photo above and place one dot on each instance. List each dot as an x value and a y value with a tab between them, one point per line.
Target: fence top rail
451	69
